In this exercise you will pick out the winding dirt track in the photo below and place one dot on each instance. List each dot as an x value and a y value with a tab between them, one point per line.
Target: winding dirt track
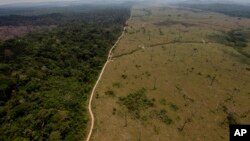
97	82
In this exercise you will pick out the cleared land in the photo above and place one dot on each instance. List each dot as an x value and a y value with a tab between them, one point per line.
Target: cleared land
170	79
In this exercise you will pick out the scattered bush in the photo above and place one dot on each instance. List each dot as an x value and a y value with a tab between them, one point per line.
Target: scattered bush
136	102
163	101
124	76
231	119
117	85
114	111
110	93
173	106
233	38
162	116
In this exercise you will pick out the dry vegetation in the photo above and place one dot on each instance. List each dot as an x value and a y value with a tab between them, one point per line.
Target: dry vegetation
187	85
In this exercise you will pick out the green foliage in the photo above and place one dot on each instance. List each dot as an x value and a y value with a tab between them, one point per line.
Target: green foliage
55	136
173	106
236	39
114	111
162	116
136	102
45	77
231	119
124	76
117	85
110	93
4	67
163	101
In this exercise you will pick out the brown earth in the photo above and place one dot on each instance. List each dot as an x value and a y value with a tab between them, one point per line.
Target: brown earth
197	83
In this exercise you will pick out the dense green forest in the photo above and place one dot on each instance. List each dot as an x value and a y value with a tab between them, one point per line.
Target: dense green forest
46	77
228	9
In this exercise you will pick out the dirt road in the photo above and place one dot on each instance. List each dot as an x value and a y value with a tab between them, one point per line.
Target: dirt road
97	82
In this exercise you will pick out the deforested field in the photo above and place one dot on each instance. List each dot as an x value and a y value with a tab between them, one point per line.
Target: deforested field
177	74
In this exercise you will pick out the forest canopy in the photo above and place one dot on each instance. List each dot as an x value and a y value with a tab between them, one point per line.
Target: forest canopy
46	77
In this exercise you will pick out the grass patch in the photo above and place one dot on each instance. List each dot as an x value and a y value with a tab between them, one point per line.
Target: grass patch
124	76
237	39
114	111
163	101
136	102
231	119
173	107
117	85
162	116
233	38
110	93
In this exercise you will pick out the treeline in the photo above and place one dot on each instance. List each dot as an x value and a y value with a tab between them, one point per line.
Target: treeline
19	20
45	78
228	9
235	38
63	17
